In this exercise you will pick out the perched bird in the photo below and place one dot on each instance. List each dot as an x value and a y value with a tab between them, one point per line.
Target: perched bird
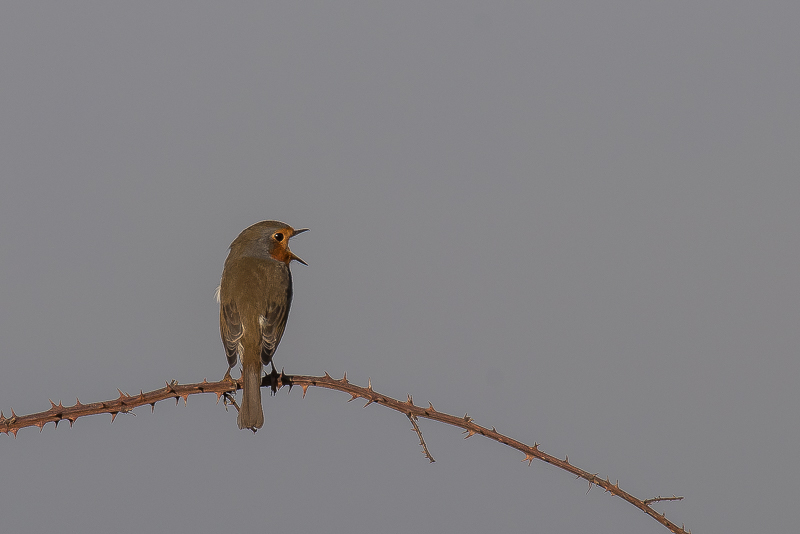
254	295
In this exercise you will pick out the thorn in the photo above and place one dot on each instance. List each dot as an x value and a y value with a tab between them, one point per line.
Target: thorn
469	433
40	424
13	415
535	446
284	380
410	400
52	405
185	398
566	458
590	488
430	407
327	375
141	394
14	430
56	422
528	458
353	397
305	388
71	421
77	401
494	429
467	419
370	401
344	378
113	416
121	394
369	383
152	407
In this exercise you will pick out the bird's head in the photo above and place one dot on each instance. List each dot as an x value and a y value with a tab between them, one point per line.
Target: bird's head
267	238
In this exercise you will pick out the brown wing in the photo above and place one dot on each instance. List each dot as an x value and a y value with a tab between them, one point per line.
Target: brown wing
231	331
273	321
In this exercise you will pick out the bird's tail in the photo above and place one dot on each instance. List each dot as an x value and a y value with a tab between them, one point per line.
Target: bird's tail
251	415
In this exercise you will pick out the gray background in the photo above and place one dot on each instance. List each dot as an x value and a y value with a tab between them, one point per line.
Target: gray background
576	222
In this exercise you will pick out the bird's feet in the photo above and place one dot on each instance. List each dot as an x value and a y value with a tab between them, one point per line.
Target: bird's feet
272	379
229	397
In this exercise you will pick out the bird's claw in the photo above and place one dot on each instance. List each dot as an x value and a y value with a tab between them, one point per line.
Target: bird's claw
272	378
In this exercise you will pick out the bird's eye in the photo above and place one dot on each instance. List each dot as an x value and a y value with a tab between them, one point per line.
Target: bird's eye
278	236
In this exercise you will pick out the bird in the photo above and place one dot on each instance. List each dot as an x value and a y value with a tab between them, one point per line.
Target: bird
255	294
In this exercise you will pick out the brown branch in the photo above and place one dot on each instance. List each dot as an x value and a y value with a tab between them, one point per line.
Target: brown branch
416	429
660	498
125	403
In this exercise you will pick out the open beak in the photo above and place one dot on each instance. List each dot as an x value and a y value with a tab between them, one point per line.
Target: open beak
297	258
294	256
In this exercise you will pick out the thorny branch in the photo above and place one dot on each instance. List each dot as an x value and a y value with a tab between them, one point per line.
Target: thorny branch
414	424
125	403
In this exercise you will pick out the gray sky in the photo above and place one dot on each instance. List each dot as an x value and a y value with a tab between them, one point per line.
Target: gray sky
576	222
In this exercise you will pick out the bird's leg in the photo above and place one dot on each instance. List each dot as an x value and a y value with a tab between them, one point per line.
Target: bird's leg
273	379
229	398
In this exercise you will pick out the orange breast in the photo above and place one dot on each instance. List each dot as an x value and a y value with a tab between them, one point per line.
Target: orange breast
281	253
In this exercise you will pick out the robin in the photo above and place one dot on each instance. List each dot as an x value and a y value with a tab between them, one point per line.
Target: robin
254	299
